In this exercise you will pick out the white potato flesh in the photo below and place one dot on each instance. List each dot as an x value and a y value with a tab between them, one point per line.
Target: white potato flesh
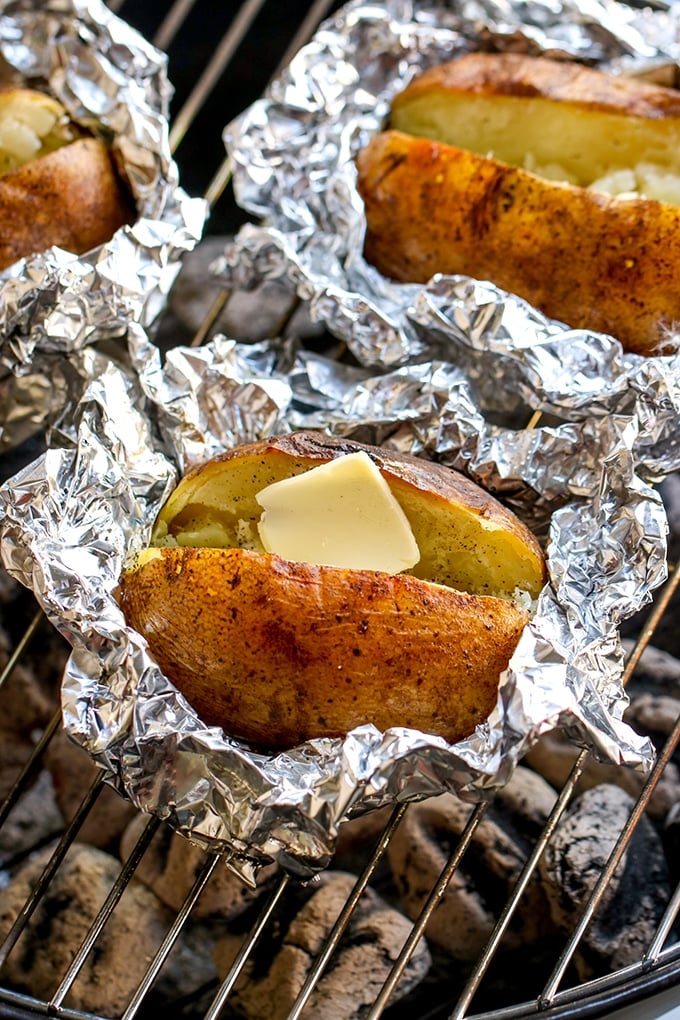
31	125
580	146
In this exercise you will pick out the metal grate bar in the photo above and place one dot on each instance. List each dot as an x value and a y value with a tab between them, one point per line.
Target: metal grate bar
659	963
107	909
340	925
653	954
205	84
20	648
612	863
246	949
488	953
561	804
662	603
183	915
434	898
317	12
214	312
172	23
50	870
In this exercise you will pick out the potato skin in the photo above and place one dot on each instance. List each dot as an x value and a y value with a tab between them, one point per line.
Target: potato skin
278	652
514	74
582	257
71	197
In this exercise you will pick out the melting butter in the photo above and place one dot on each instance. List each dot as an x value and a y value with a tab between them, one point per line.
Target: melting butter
340	514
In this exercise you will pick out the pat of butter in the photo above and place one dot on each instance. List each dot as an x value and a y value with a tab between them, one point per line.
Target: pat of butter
339	514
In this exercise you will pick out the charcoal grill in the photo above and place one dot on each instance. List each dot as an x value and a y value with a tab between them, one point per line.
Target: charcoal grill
220	59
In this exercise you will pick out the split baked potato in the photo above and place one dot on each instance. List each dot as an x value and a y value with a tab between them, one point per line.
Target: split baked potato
279	650
555	181
58	183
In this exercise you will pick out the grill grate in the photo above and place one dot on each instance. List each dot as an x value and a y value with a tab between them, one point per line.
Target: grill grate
214	83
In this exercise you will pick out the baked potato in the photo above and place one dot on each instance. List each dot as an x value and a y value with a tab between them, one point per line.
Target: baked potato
278	649
555	181
58	183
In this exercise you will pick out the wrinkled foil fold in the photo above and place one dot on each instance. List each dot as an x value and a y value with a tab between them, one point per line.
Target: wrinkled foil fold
53	304
292	154
72	518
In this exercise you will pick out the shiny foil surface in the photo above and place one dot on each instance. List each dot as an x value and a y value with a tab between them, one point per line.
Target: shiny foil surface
53	304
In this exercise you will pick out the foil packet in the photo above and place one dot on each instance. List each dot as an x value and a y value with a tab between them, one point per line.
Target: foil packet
292	154
71	520
111	80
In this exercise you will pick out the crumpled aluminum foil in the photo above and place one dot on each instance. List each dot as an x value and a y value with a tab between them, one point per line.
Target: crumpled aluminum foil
292	154
70	520
112	80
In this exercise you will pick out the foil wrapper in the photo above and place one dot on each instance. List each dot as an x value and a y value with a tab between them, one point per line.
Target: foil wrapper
293	154
52	304
70	520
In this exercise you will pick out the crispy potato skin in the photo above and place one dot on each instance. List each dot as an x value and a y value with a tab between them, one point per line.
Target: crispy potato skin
514	74
278	652
582	257
71	197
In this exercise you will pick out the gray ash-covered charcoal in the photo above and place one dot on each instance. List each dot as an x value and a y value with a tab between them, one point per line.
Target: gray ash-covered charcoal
356	971
657	670
635	897
25	709
73	772
655	715
34	820
654	692
554	756
472	902
122	952
28	701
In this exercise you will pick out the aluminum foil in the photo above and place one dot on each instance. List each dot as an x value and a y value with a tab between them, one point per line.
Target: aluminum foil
70	520
114	82
293	153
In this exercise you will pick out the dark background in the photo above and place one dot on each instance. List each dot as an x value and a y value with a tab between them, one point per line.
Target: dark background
254	61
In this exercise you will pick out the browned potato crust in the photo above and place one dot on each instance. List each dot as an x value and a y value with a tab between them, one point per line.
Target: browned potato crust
496	166
71	198
525	77
582	257
277	652
58	184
